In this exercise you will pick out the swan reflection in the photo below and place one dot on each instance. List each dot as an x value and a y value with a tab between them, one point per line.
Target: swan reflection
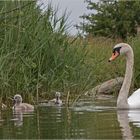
124	118
134	117
19	117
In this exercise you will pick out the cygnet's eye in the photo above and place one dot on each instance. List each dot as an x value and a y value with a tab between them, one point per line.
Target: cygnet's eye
16	98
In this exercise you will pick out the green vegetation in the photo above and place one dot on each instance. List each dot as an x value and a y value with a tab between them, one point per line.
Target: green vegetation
112	18
37	56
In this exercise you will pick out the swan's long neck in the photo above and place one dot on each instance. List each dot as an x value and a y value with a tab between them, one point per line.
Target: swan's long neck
124	91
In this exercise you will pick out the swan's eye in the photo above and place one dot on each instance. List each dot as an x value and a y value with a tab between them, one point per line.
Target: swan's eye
116	50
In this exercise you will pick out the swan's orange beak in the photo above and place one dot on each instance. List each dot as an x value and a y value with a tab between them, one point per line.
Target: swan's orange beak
114	56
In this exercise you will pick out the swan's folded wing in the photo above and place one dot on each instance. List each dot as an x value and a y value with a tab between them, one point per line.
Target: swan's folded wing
134	99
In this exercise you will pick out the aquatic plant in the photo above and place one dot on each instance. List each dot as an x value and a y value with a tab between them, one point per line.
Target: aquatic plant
37	55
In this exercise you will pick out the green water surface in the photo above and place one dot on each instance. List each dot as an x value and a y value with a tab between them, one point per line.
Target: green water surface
83	121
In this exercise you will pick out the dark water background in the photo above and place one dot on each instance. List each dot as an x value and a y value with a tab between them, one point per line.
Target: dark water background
86	120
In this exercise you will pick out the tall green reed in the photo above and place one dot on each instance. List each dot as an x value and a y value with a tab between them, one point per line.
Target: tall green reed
36	54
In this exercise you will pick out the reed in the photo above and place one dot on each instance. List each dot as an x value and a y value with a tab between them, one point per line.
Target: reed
37	56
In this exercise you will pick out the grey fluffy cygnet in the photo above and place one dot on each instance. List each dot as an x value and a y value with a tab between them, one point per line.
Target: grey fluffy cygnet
57	99
19	106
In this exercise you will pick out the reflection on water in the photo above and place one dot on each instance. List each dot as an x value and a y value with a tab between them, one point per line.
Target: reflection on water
134	117
18	119
124	124
124	118
83	121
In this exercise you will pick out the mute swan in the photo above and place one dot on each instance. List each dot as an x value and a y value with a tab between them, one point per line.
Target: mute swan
134	100
19	106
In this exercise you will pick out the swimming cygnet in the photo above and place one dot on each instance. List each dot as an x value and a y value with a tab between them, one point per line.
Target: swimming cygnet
19	106
57	100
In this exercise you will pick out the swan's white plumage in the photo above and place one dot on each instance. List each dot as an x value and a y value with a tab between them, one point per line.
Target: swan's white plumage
134	99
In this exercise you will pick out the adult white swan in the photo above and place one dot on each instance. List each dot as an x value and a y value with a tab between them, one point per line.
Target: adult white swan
134	100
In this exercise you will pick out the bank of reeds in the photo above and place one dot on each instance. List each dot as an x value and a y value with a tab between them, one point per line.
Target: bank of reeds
36	54
38	57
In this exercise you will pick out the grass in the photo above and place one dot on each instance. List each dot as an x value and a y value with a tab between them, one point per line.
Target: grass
37	56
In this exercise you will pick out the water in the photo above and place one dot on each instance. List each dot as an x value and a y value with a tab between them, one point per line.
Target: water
85	120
